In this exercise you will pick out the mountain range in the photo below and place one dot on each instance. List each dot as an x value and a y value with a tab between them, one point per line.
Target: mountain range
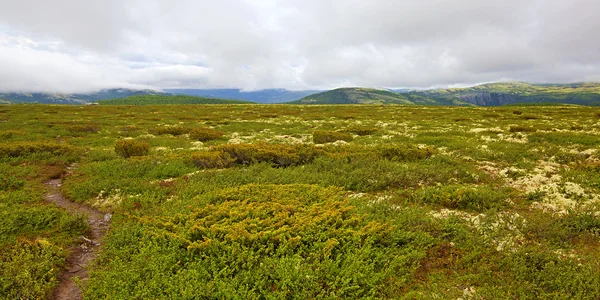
260	96
79	98
491	94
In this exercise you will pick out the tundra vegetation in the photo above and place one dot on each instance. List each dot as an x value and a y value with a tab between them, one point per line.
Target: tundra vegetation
299	201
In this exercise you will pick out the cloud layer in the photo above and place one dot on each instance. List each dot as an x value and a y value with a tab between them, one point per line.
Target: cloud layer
75	46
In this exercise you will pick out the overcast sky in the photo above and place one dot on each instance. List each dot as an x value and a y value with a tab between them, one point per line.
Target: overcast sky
77	46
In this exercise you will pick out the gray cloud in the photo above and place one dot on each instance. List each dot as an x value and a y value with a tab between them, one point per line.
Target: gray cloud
70	45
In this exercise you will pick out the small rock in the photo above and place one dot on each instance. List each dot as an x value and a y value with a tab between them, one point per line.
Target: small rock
107	217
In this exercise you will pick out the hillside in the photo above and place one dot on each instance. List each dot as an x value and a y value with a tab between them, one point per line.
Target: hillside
260	96
494	94
81	98
168	99
372	96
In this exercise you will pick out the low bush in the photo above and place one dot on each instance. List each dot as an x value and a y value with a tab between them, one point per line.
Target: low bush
128	148
522	129
30	269
83	128
362	131
212	160
172	130
25	148
9	182
256	241
404	152
517	112
7	134
279	155
478	198
324	136
205	134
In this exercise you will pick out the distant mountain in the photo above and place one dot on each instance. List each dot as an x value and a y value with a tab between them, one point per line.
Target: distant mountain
494	94
262	96
168	99
372	96
81	98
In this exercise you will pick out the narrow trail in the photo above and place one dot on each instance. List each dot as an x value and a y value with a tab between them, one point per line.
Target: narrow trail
86	251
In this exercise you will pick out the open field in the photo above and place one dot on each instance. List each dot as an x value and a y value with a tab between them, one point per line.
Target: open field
293	201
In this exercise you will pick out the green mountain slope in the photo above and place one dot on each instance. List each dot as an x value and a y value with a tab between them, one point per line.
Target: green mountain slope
168	99
354	96
493	94
373	96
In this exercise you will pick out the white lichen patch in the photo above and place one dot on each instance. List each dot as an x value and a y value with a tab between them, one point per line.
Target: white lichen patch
503	231
557	196
493	129
107	200
198	145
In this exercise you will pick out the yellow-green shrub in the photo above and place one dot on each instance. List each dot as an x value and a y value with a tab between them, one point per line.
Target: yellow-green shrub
25	148
205	134
522	129
404	152
172	130
325	136
128	148
278	154
212	160
362	130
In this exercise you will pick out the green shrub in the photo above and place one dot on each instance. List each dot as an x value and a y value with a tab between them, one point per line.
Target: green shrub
404	152
212	160
324	136
205	134
83	128
8	182
522	129
279	155
128	148
517	112
30	269
362	131
7	134
25	148
478	198
172	130
256	241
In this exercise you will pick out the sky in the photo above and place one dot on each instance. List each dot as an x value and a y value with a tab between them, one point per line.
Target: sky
79	46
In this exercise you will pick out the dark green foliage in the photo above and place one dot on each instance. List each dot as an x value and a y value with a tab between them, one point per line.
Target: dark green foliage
324	136
129	148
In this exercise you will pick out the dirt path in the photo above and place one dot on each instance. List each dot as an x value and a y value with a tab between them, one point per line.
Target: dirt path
85	252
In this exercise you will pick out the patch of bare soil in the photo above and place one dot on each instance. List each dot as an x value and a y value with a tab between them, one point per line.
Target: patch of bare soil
86	251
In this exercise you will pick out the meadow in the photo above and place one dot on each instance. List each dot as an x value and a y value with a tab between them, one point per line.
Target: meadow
245	201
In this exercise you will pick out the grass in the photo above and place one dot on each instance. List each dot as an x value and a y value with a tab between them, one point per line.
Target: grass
300	201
